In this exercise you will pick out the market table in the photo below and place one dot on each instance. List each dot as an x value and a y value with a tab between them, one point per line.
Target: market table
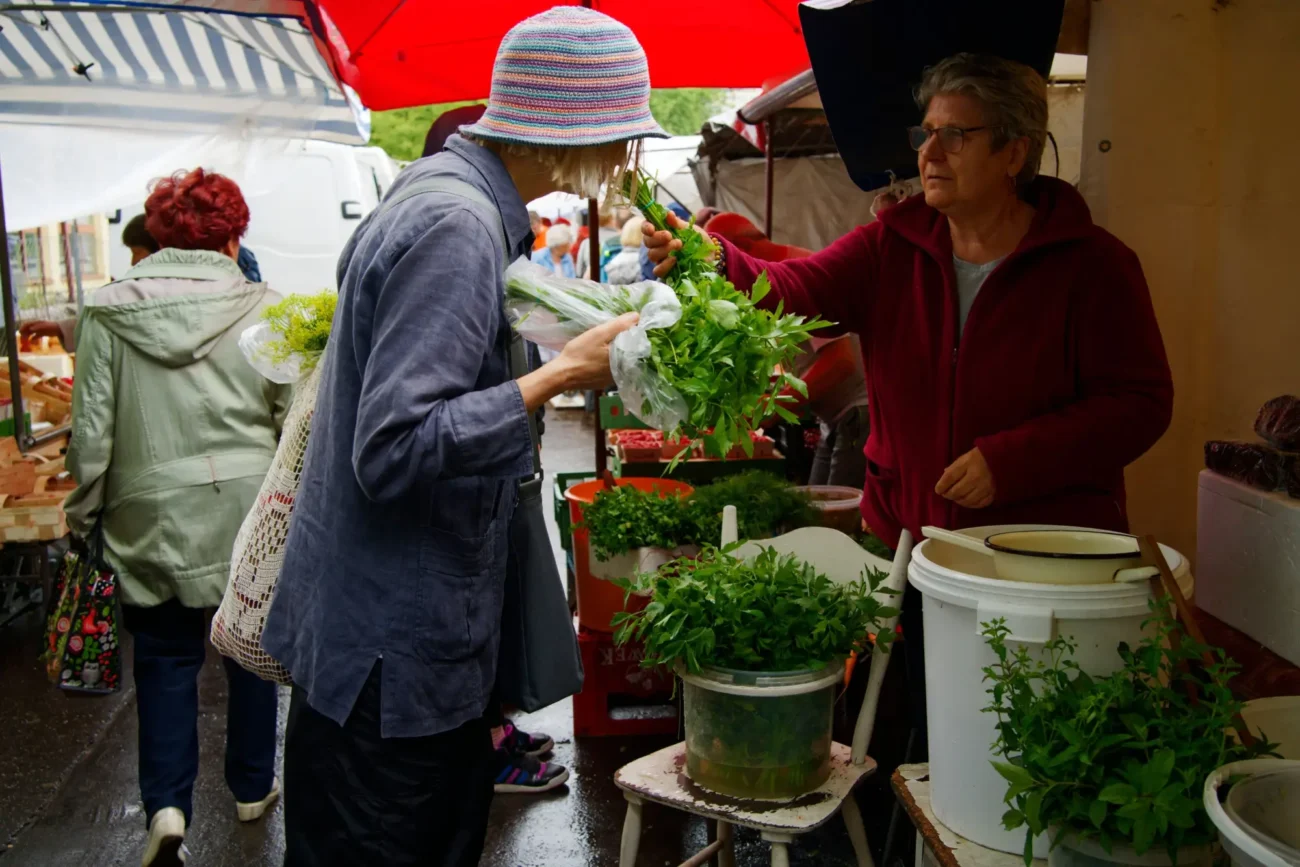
936	845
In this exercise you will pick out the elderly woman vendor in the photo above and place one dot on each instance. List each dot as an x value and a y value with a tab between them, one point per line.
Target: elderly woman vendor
1012	354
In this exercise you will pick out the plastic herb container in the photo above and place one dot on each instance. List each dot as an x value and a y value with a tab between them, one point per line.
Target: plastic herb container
759	735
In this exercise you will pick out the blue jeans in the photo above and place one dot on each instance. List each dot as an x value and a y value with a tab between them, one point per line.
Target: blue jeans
170	643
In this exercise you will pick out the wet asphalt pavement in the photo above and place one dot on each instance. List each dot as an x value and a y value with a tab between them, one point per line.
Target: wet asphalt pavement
69	797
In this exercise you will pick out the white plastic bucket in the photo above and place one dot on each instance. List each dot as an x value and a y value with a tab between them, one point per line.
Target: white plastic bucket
1279	720
1259	820
961	593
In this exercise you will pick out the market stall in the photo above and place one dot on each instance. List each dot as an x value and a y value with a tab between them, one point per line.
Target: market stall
102	99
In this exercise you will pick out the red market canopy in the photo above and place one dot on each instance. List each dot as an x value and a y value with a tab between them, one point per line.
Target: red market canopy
398	53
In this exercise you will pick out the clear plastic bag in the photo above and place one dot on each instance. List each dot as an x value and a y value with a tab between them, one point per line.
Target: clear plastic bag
1278	422
550	311
257	344
1255	464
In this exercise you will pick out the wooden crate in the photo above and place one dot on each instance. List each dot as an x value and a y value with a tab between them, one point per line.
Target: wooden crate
36	517
18	478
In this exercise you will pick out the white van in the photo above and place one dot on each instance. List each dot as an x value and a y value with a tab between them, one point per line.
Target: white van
304	203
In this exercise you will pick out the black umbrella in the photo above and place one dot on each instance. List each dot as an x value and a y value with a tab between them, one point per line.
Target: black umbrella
868	57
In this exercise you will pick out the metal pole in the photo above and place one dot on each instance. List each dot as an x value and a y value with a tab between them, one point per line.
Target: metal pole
66	243
75	237
770	168
593	259
21	433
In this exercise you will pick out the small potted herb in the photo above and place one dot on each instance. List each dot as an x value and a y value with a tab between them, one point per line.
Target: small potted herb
766	506
760	647
1113	767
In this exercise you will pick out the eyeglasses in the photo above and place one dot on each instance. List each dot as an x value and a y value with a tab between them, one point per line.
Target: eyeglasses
951	138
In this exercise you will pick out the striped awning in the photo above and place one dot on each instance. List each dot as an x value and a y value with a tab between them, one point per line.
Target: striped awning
177	67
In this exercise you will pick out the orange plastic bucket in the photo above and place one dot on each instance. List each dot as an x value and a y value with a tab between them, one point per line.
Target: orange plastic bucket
599	600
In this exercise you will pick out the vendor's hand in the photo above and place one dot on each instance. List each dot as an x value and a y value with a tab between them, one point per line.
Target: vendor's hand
586	357
660	246
968	482
40	328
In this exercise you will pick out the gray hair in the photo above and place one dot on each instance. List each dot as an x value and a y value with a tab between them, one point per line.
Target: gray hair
1013	95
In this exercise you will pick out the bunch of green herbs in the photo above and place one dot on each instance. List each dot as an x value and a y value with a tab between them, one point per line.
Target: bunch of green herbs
625	518
1119	759
766	505
698	257
771	613
304	321
729	359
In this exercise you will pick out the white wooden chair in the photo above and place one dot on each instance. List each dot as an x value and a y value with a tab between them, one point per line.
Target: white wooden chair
660	778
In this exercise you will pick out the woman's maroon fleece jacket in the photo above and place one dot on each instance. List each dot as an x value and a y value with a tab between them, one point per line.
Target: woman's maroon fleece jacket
1059	378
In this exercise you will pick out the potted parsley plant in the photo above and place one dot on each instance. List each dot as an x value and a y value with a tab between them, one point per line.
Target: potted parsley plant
1112	768
760	646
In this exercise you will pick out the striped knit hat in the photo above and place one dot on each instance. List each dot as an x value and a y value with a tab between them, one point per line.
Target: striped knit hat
569	76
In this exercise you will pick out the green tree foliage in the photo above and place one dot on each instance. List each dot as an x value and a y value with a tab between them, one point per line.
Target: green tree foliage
682	111
401	132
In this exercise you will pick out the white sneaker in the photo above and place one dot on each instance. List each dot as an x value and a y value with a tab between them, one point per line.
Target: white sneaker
256	810
166	839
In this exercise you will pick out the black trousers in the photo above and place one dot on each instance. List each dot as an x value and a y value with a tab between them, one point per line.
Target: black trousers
355	799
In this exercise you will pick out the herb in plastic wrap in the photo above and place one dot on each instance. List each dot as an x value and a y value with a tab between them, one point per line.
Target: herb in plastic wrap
305	322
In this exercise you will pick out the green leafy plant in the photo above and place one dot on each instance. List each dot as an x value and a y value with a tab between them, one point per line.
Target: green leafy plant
729	359
698	257
872	544
766	505
626	518
773	613
304	321
1119	759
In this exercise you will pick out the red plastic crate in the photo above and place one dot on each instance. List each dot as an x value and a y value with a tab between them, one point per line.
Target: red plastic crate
618	696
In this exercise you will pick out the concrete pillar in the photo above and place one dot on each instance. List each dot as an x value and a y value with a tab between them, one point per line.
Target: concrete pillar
1188	157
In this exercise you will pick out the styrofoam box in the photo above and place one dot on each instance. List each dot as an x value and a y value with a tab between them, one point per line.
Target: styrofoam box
1248	561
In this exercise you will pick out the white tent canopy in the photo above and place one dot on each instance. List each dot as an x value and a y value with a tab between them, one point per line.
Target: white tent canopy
169	69
101	99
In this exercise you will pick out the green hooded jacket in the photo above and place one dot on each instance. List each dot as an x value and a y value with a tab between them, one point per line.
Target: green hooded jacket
173	431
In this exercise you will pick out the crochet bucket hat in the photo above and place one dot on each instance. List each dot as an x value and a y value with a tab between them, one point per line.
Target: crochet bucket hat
570	76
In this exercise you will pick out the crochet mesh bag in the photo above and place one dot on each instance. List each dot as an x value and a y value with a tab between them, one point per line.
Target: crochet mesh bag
259	547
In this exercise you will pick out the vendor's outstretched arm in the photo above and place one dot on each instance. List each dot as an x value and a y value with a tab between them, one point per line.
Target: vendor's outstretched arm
836	283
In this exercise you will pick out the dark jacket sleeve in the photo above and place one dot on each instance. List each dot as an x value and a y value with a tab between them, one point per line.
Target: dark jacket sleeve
835	284
1126	393
68	334
422	415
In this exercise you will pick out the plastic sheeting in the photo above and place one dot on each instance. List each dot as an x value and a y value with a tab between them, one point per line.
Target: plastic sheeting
815	200
56	173
173	70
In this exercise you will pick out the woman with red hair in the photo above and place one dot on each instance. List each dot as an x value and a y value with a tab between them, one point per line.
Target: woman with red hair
172	434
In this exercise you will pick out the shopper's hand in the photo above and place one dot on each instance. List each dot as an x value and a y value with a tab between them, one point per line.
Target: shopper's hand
660	246
586	357
968	482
